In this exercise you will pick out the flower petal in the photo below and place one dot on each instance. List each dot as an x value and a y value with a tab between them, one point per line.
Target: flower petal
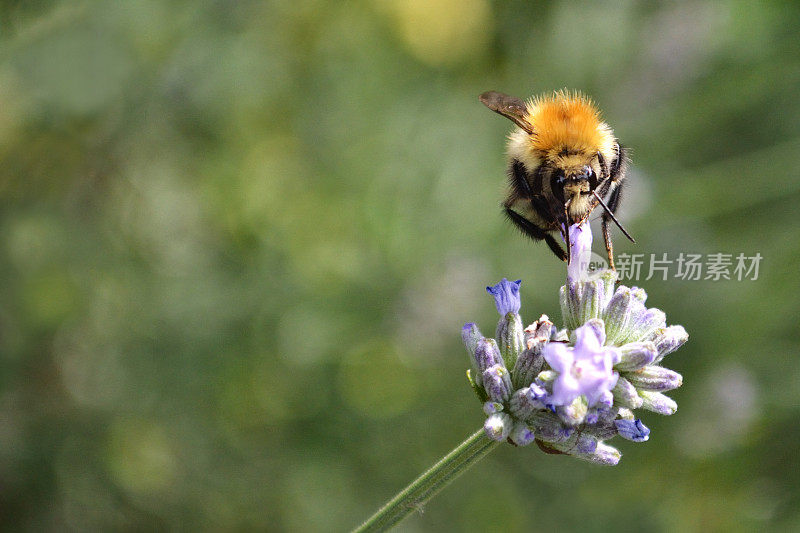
506	296
558	356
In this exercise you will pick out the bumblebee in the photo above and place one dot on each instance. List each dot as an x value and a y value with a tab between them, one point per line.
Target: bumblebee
563	162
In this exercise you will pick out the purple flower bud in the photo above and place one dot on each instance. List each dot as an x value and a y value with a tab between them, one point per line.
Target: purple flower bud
569	301
521	434
604	429
498	426
644	323
636	355
587	447
655	378
497	383
487	355
582	301
602	455
601	410
669	340
525	401
586	444
506	296
618	312
580	248
632	430
549	428
491	408
625	394
639	294
528	365
470	334
606	285
510	336
588	305
657	402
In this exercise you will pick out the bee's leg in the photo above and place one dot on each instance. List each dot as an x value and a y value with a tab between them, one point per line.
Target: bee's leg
617	170
616	176
613	203
539	205
535	233
613	176
518	177
603	166
609	246
519	181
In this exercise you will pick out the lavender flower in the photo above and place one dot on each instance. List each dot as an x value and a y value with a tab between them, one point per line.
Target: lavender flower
658	403
498	426
506	296
521	434
572	389
497	383
585	369
632	430
509	332
487	355
491	408
525	401
580	247
626	395
636	355
471	335
655	378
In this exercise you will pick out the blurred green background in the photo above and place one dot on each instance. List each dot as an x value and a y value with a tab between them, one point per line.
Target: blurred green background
238	241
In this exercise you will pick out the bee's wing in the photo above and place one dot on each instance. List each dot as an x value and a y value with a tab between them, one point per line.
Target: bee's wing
510	107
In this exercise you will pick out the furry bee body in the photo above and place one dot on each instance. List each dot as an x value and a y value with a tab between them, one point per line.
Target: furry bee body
563	161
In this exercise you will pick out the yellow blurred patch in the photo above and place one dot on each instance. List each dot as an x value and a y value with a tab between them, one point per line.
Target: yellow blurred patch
442	32
49	297
139	457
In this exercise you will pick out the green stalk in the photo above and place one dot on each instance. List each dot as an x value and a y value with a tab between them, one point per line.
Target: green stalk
430	482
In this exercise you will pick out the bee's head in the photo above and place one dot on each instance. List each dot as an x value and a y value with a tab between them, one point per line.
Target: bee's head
573	182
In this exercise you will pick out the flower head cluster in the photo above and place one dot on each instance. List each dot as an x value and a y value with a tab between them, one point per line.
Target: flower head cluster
570	390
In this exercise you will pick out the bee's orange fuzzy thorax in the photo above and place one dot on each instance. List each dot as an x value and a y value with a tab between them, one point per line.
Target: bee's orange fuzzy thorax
567	121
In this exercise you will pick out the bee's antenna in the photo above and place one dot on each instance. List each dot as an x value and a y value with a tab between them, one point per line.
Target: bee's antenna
611	214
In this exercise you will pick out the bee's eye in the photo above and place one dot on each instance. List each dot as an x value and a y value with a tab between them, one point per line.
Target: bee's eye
592	177
557	181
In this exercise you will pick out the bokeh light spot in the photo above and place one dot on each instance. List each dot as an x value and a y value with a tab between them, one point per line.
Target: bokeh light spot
139	457
49	297
442	32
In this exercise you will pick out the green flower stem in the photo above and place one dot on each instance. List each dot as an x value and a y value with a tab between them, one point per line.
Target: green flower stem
429	483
